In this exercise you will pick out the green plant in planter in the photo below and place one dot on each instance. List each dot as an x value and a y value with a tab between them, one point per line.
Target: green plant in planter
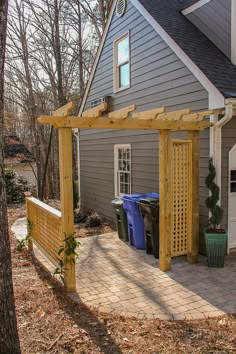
215	236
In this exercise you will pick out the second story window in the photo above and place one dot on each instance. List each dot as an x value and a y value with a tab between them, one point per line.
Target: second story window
121	63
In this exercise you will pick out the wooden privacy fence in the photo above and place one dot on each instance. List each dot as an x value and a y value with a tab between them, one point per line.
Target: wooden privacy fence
45	225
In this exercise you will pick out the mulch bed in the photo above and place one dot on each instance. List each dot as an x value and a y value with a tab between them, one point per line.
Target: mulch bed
50	322
80	229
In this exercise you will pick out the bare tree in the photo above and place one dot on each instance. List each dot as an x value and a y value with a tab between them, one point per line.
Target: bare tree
51	49
19	46
9	341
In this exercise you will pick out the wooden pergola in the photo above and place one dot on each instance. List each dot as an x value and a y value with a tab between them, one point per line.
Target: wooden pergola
158	120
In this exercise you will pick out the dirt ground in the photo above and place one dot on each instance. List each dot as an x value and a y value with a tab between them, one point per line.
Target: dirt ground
49	322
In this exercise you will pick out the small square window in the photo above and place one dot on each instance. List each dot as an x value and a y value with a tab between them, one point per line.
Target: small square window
121	63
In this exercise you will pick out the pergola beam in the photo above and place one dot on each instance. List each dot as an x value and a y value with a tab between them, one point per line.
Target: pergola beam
118	123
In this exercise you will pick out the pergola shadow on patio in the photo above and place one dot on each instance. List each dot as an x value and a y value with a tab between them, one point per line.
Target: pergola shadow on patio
119	279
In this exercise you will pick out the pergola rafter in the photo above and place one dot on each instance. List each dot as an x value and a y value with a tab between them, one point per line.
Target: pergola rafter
156	119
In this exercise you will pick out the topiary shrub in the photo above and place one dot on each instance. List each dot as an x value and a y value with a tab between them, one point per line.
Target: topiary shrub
16	186
93	220
213	199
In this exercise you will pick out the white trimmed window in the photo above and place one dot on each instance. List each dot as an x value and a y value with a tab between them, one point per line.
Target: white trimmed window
121	63
122	160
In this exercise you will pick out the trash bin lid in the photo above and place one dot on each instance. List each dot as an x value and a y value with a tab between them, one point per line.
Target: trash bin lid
137	197
132	197
117	201
151	195
149	201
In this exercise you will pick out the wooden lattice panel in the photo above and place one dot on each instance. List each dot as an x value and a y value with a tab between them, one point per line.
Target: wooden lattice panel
181	170
45	229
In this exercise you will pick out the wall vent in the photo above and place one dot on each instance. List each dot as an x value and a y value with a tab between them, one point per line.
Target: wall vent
121	7
98	101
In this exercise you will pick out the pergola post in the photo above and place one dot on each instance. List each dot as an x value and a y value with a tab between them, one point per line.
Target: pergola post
165	199
192	255
66	194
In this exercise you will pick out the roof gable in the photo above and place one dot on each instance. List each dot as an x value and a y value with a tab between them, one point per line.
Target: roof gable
165	12
210	60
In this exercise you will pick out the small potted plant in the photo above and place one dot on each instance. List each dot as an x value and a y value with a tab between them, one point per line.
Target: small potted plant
215	236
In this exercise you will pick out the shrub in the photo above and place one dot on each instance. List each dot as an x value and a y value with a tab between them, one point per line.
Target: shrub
15	187
213	199
80	217
93	220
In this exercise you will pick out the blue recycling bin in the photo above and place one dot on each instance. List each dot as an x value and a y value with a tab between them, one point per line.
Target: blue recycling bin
134	218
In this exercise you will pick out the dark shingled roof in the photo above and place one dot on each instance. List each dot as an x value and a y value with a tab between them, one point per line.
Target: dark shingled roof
15	151
212	62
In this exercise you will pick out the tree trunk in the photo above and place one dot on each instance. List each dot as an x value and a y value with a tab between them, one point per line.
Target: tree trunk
81	67
57	49
31	99
9	341
61	97
102	13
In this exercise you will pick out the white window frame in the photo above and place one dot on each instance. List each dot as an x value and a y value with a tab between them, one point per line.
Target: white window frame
116	160
116	67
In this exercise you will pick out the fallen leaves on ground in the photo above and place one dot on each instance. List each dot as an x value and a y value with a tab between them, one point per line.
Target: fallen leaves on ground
50	322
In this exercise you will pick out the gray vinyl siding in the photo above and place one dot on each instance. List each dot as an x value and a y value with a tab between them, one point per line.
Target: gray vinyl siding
158	78
214	20
228	141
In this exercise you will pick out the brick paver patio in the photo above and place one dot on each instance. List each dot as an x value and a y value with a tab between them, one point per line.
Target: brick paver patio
119	279
122	280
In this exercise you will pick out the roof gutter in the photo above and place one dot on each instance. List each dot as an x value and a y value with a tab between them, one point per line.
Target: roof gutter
230	110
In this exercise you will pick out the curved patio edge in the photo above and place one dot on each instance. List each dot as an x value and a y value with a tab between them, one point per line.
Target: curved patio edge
121	280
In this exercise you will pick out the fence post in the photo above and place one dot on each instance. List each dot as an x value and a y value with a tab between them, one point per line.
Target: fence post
66	193
165	199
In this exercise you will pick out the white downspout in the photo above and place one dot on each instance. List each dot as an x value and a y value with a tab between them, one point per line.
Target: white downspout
229	111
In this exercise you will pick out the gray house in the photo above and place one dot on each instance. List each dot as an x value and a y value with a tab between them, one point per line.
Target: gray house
176	54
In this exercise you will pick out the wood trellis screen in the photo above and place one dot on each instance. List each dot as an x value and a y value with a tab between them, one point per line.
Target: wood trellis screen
181	195
45	227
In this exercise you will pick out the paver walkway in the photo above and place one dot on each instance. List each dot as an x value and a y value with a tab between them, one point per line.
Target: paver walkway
120	279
